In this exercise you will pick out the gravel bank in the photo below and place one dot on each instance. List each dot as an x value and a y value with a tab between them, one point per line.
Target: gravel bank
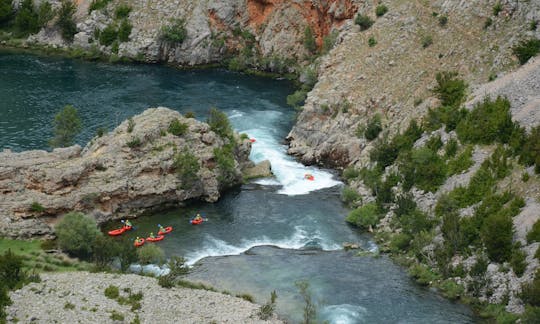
78	297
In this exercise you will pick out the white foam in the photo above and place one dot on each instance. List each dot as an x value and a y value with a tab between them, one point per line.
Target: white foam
215	247
343	314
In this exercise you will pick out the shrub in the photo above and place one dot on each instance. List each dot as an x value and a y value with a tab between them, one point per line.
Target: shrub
426	41
177	128
329	41
461	163
98	5
65	21
126	255
415	222
76	234
309	40
530	293
405	204
451	148
124	31
526	49
351	173
175	33
131	125
101	131
116	316
297	99
443	20
373	128
166	281
189	114
219	123
424	169
531	315
267	310
381	10
372	41
400	242
186	166
27	21
533	24
451	289
67	125
105	249
496	234
112	292
488	122
525	176
530	149
363	21
449	89
225	161
150	253
365	216
518	261
488	22
497	8
534	234
11	271
37	207
108	35
434	143
349	195
177	266
134	142
422	274
122	11
309	309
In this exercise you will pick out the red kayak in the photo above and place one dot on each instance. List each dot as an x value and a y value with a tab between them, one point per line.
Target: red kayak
139	242
196	221
119	231
155	239
168	229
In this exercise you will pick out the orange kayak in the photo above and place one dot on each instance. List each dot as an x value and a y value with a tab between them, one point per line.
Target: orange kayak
119	231
155	239
168	229
138	242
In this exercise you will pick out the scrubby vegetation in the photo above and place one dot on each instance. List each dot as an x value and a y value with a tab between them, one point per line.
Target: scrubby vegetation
65	21
67	125
175	33
177	128
363	21
186	165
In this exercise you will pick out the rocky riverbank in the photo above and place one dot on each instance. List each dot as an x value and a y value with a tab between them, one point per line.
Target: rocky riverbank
137	166
79	297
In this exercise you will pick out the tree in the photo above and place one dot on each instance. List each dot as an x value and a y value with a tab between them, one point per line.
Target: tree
219	123
65	21
45	13
27	18
497	236
309	40
67	124
77	234
6	11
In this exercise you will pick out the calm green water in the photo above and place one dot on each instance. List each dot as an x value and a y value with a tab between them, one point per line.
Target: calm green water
263	236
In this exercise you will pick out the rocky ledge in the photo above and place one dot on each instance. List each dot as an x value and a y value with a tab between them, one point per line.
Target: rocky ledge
129	170
79	297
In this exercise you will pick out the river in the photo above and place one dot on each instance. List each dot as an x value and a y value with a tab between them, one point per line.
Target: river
264	236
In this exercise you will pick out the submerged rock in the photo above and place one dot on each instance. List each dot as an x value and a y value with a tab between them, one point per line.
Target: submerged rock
262	169
126	171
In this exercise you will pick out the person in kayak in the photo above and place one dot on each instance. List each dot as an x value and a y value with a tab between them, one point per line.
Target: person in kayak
198	218
152	235
138	240
128	223
161	229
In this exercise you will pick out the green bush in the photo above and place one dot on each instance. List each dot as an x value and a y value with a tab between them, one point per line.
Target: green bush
329	41
98	5
112	292
4	301
150	253
309	40
381	10
443	20
166	281
434	143
415	222
186	166
488	122
449	89
447	115
6	11
400	242
422	274
365	216
386	152
462	162
351	173
349	195
108	35
177	128
451	289
124	31
65	21
530	293
175	33
177	266
424	169
530	149
11	271
372	41
225	160
531	315
363	21
497	8
37	207
534	234
122	11
45	13
267	310
497	234
219	123
27	20
105	249
451	148
67	125
373	128
518	261
426	40
77	233
297	99
135	142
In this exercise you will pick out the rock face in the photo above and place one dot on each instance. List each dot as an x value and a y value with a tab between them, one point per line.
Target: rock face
117	174
74	297
215	30
394	77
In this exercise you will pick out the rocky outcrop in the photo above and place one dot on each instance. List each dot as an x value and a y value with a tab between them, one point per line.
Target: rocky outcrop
72	297
260	170
126	171
215	30
394	78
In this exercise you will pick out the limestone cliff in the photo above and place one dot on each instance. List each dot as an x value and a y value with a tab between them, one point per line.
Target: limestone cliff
262	29
126	171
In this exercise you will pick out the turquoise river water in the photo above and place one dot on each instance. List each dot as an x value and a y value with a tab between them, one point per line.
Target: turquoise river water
264	236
